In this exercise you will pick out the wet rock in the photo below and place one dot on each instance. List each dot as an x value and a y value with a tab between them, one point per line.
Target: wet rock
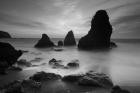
96	79
72	78
4	34
117	89
24	62
60	43
43	76
44	42
8	55
90	79
69	39
99	34
31	83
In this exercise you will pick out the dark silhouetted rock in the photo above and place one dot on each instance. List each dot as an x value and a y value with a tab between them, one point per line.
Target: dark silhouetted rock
43	76
99	34
44	42
90	79
60	43
4	34
117	89
8	56
73	65
69	39
14	68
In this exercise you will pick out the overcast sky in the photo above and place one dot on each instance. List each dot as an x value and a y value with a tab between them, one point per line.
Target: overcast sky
31	18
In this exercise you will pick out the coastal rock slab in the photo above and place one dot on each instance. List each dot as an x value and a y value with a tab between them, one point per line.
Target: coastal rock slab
99	34
44	42
69	39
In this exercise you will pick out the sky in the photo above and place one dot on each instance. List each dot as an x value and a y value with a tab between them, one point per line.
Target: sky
31	18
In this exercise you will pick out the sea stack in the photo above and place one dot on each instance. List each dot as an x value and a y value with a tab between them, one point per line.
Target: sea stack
8	56
4	34
44	42
99	34
69	39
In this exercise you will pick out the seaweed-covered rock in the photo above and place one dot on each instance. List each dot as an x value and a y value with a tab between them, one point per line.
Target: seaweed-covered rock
44	42
4	34
69	39
8	56
99	34
43	76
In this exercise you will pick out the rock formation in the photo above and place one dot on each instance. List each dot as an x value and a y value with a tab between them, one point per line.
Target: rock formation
69	39
44	42
99	34
60	43
4	34
8	56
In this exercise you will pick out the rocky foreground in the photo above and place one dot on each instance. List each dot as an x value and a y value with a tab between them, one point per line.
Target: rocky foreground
37	82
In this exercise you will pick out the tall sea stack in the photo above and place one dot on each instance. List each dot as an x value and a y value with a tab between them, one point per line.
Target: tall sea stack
69	39
99	34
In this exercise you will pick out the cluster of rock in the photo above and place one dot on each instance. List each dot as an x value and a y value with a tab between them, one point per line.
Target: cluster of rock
4	34
45	41
99	34
58	64
36	81
8	56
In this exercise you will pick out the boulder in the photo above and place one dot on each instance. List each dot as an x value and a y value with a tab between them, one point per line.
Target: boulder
117	89
14	68
4	34
69	39
43	76
8	55
44	42
90	79
60	43
99	34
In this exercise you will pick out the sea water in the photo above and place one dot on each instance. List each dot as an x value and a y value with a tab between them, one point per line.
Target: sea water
121	64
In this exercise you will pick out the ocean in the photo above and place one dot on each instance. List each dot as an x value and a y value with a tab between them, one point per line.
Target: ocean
122	64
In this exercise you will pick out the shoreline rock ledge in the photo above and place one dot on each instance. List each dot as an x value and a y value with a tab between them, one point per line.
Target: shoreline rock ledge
69	39
44	42
99	34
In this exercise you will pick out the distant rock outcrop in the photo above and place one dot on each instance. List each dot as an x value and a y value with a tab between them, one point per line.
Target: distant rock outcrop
44	42
99	34
8	56
69	39
4	34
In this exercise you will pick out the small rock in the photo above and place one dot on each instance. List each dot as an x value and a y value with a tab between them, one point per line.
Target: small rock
60	43
117	89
